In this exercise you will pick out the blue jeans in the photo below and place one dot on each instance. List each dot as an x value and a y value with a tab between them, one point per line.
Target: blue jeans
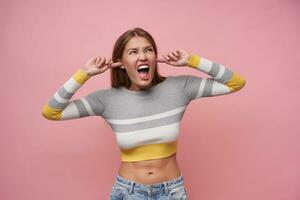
127	189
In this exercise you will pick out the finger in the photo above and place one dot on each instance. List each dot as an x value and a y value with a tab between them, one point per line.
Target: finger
104	61
104	68
101	62
92	60
97	61
172	56
110	63
107	61
166	57
175	54
116	64
159	59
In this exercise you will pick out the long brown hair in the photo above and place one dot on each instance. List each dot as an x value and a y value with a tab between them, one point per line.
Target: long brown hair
119	76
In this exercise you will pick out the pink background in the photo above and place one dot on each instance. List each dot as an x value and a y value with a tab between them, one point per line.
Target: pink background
239	146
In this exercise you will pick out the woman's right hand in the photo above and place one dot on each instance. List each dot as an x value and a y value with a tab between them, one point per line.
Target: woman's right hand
98	65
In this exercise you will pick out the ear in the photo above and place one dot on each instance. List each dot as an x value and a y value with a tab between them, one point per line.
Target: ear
122	67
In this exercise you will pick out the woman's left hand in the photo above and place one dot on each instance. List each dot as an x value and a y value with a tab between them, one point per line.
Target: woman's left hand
176	58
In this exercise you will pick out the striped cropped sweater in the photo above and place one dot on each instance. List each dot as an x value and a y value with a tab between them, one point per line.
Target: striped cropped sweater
146	123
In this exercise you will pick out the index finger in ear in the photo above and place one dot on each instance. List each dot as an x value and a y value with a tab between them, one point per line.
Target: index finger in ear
116	64
160	60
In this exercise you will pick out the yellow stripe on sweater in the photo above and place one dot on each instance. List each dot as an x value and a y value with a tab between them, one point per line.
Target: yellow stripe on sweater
51	113
150	151
193	61
236	82
81	76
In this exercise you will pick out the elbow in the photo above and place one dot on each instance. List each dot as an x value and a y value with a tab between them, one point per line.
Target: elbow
48	116
236	83
51	113
241	84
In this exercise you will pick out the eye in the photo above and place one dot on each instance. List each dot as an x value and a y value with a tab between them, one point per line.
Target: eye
150	49
132	52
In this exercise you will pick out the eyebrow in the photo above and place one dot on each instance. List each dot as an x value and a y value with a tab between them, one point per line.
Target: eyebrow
137	48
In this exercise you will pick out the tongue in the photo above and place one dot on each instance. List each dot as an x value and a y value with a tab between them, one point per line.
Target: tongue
143	74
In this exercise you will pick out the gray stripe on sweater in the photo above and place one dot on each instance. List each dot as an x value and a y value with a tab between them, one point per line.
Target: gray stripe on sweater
191	85
214	69
208	87
95	104
53	103
64	93
81	108
226	76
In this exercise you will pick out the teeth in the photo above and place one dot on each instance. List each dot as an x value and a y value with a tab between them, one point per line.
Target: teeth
143	67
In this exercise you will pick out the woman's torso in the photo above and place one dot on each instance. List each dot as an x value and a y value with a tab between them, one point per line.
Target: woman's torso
151	171
135	116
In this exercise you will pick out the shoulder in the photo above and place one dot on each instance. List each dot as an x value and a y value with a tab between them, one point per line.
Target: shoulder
102	92
183	79
177	78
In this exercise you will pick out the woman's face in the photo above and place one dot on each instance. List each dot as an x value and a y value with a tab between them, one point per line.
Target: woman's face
139	60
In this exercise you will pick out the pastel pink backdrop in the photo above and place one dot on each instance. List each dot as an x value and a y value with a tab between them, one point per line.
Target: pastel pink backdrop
239	146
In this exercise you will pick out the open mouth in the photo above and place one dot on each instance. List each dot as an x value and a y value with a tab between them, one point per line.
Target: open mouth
143	71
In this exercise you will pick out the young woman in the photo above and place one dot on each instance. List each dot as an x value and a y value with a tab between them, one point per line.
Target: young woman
144	110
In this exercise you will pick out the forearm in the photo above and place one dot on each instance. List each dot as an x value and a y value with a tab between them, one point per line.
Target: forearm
220	73
61	99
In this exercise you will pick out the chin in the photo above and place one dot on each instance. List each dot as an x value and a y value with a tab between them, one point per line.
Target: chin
145	85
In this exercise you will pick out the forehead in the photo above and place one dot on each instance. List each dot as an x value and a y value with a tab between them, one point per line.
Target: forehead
137	42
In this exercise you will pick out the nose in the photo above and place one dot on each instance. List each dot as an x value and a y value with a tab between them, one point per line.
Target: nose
142	56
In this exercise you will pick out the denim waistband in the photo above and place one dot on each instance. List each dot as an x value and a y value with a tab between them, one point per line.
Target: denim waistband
148	188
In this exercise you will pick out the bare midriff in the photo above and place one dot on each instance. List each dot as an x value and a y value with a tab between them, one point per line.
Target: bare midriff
151	171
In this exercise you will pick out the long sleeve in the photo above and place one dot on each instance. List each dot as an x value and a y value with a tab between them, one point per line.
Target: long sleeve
61	108
224	80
